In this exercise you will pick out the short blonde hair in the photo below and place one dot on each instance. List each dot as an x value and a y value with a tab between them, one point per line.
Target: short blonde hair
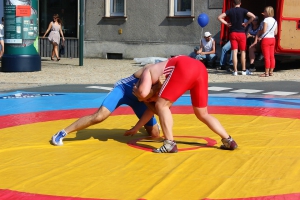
270	11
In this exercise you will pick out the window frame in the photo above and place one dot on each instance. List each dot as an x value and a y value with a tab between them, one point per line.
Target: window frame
109	9
181	13
174	13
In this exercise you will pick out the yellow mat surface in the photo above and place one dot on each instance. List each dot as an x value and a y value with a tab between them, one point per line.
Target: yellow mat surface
98	162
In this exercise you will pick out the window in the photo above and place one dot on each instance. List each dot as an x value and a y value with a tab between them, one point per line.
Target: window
67	11
114	8
181	8
117	8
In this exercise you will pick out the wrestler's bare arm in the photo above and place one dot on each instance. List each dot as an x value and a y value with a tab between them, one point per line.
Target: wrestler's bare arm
148	114
138	73
150	103
148	76
143	87
151	106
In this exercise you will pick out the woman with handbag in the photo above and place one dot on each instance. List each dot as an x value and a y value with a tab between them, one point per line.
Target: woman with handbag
54	36
268	40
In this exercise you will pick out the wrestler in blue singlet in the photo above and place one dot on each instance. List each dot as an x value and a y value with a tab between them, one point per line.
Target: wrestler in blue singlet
122	94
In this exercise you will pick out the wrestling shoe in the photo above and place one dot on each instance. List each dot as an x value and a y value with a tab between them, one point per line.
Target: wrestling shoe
169	146
228	144
58	137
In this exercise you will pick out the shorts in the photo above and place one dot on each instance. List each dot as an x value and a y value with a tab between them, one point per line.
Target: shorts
122	94
238	41
1	38
187	74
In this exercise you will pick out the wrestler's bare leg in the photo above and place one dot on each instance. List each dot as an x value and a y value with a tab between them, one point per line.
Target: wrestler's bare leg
153	131
82	123
210	121
89	120
215	125
166	121
102	114
165	117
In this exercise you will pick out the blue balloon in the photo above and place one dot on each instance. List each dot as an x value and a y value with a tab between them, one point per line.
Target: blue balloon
203	20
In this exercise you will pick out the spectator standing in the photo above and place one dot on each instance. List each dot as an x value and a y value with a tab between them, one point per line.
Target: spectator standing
54	36
237	34
208	49
2	37
268	40
225	49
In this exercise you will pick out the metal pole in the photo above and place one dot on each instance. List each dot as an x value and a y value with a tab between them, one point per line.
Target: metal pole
81	28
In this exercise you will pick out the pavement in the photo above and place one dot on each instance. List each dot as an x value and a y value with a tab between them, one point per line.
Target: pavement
105	71
261	114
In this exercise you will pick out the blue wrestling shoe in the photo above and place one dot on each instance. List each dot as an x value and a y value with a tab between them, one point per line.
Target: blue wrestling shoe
169	146
58	137
228	144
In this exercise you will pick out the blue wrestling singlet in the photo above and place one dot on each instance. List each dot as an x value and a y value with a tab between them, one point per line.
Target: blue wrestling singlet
122	94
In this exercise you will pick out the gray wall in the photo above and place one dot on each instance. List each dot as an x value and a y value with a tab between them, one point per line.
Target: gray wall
147	31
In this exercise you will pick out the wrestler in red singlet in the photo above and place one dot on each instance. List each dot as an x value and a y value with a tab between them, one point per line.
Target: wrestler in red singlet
184	73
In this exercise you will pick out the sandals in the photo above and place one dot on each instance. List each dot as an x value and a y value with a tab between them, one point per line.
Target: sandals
271	74
58	59
264	75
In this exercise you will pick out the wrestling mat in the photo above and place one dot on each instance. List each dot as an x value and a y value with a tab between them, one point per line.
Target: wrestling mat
100	163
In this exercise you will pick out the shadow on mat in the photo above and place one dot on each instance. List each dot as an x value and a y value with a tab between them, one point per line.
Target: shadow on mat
191	144
105	135
138	139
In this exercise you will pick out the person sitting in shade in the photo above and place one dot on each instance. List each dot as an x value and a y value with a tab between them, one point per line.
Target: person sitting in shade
223	59
254	29
196	53
207	51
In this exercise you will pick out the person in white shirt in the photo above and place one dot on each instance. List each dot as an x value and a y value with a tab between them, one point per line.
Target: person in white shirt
268	40
2	37
207	49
